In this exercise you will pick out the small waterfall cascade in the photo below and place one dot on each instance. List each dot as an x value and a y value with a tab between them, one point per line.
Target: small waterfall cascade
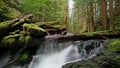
53	54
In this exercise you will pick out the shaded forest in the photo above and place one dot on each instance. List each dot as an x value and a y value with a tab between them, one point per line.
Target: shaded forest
95	15
24	21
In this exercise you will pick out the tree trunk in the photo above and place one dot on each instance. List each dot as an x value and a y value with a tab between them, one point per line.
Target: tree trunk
66	15
104	14
91	17
111	14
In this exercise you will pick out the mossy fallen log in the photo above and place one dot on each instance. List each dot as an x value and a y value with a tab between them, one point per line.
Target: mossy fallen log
87	36
7	26
52	27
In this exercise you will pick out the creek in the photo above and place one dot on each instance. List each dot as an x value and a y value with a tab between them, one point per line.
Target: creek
54	54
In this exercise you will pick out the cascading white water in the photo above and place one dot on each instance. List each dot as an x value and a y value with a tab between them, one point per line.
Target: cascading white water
52	54
55	60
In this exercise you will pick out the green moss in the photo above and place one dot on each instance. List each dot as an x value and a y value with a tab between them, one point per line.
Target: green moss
114	46
108	58
111	56
21	39
89	34
27	39
117	59
26	25
9	40
82	64
16	24
23	57
115	43
24	40
15	40
4	27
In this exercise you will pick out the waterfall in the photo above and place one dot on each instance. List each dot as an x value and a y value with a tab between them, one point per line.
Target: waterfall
71	7
53	54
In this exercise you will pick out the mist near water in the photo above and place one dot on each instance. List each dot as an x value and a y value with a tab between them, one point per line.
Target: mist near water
53	54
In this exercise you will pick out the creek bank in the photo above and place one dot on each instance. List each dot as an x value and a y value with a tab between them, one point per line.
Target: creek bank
108	58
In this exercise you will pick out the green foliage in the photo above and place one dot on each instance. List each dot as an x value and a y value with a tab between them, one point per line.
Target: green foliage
111	56
7	12
44	10
115	43
113	47
108	58
116	22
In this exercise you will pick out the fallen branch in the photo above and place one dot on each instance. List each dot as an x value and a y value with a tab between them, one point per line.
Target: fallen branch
22	20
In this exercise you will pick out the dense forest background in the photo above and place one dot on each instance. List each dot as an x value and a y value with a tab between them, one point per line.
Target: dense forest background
44	10
95	15
87	16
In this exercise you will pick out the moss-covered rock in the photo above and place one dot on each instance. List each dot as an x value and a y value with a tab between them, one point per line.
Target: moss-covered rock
17	40
22	58
82	64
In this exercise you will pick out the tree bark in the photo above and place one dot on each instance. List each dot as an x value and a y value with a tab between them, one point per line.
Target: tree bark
104	14
111	14
91	17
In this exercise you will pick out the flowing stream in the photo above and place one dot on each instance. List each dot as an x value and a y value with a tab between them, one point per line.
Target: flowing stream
53	54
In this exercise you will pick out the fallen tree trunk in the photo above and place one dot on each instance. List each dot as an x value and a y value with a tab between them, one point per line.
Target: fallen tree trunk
93	36
22	20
